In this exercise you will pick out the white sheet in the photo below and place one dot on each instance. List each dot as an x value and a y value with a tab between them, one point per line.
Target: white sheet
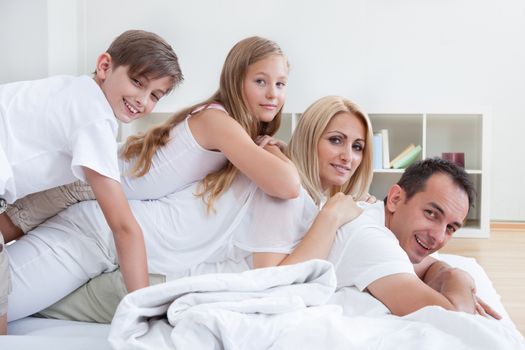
40	333
320	327
282	307
206	311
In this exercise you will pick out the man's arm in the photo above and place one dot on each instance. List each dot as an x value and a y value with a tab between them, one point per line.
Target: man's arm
436	283
453	283
404	293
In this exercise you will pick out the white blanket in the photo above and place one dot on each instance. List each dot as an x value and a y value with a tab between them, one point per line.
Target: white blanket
288	307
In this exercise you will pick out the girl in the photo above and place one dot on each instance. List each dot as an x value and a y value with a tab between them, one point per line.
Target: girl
241	235
208	142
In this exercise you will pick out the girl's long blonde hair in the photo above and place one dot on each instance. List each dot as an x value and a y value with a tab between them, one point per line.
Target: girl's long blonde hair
142	147
302	149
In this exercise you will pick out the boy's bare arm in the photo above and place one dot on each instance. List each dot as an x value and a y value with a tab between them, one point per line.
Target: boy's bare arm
127	233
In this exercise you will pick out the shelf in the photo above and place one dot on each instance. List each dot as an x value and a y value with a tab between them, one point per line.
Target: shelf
403	129
465	136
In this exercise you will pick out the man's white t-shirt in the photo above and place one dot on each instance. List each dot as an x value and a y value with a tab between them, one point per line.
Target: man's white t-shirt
365	250
49	130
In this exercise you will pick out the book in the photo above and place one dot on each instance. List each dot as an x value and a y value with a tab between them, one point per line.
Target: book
378	151
408	159
386	151
401	154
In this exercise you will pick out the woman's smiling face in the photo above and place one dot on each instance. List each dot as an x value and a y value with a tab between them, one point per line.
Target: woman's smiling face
340	149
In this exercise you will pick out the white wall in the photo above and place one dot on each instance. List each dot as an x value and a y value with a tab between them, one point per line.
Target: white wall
23	40
404	54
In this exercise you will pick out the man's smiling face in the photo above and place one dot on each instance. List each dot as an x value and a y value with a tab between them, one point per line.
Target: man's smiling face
424	223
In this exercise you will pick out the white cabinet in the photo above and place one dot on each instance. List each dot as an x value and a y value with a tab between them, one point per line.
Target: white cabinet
466	132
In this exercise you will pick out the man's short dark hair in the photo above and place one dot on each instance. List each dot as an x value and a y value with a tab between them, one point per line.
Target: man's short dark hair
416	175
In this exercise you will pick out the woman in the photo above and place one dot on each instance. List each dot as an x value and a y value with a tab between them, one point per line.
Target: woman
331	148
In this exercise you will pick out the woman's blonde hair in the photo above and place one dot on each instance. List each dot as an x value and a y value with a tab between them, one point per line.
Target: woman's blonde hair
246	52
302	148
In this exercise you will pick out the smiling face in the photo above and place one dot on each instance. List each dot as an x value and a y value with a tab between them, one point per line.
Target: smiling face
425	223
130	98
340	149
264	87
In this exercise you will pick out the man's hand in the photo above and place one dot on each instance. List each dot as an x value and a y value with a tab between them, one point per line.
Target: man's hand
458	287
484	309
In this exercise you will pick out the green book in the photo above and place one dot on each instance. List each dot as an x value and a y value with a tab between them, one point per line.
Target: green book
408	159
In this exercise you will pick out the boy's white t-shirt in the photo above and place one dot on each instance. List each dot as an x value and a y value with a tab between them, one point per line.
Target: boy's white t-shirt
49	130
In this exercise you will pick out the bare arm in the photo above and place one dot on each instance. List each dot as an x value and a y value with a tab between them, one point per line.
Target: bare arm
404	293
454	284
9	230
127	233
318	240
435	284
268	167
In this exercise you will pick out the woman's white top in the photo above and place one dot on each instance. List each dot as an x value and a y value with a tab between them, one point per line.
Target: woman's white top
180	234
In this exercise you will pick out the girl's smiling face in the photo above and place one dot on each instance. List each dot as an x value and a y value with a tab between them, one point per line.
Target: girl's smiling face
264	87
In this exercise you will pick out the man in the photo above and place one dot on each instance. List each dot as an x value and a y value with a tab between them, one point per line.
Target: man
386	251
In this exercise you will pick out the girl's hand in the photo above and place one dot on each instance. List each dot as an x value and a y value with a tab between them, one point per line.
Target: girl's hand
263	140
343	208
371	199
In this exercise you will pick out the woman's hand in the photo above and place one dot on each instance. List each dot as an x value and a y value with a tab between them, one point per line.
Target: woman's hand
342	207
368	198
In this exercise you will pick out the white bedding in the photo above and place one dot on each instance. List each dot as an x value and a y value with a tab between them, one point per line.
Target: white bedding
285	307
319	326
40	333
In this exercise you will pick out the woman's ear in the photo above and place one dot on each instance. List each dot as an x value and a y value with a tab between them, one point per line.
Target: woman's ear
104	64
396	195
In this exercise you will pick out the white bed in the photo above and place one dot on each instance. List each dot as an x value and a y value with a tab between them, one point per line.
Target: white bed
33	333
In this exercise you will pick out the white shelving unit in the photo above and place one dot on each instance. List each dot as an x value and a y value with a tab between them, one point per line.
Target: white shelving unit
288	123
439	132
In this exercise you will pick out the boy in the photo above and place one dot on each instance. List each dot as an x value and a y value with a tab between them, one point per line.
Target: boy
59	129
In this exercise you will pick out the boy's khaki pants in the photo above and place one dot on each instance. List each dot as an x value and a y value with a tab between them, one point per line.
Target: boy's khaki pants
33	209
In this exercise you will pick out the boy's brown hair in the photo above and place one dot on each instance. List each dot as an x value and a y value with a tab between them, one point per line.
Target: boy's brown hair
147	55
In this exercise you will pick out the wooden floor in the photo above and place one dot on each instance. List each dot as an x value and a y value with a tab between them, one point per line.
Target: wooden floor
503	258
